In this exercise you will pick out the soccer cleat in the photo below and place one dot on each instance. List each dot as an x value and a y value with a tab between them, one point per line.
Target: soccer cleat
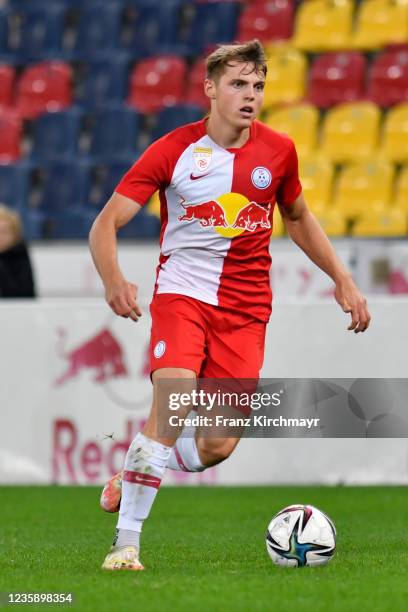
123	558
112	493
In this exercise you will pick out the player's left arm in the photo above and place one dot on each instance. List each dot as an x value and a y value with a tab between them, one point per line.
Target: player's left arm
307	233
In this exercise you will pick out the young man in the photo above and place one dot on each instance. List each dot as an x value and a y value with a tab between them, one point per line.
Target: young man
219	180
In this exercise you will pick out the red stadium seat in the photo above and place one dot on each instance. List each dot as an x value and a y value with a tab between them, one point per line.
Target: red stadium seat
45	87
267	20
10	135
7	78
335	78
388	78
157	82
195	92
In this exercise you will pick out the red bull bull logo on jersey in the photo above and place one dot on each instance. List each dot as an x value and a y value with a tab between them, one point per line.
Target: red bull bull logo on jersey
230	215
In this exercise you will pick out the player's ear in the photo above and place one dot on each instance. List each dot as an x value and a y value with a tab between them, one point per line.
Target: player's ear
209	88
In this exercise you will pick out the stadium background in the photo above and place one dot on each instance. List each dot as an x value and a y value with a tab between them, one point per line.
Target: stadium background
85	86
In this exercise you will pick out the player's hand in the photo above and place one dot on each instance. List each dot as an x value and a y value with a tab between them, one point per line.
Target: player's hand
353	302
121	297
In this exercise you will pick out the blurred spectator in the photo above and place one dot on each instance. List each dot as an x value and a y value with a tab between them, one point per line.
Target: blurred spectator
16	277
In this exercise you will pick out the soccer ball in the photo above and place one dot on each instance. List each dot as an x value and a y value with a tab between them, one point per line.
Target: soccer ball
301	535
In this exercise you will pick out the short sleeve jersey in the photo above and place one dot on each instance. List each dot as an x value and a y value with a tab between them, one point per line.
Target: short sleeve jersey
216	212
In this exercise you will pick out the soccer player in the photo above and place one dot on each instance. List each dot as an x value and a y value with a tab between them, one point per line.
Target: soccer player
219	180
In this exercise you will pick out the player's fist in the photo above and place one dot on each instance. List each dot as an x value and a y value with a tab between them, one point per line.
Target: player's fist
122	298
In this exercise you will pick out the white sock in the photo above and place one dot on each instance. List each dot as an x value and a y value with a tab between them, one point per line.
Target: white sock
184	456
145	463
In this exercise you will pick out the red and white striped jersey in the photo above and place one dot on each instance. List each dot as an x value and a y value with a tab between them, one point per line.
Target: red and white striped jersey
216	212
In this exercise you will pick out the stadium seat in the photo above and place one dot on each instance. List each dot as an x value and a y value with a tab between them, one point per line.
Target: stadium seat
316	175
11	128
266	21
62	186
14	184
323	25
213	23
3	32
171	118
363	187
157	82
388	78
300	122
152	28
350	132
195	87
142	226
394	146
401	191
7	80
103	82
332	220
335	78
97	31
381	223
106	177
56	136
39	33
380	22
286	77
44	87
114	134
72	224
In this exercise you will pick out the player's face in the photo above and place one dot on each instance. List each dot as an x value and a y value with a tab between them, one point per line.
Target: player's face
237	94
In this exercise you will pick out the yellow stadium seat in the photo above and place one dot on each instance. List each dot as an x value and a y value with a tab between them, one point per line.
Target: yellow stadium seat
286	77
333	221
278	224
323	25
300	122
153	206
391	222
395	136
380	22
316	175
350	132
401	196
364	187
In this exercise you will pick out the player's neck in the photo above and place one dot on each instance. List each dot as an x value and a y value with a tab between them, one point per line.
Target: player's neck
224	134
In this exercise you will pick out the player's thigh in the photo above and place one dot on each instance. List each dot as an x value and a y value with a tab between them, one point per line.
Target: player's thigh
178	333
235	351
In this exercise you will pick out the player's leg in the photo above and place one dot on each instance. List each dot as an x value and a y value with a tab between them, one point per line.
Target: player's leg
174	319
144	467
236	347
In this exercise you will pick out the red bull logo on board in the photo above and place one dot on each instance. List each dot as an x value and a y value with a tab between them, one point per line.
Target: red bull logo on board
230	214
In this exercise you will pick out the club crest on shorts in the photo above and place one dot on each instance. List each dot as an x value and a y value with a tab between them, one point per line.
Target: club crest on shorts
202	158
261	177
159	349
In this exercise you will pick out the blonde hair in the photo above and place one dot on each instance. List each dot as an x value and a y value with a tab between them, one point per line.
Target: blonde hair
250	52
14	221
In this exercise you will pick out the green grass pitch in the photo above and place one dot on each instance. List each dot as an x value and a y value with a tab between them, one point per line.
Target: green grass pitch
204	549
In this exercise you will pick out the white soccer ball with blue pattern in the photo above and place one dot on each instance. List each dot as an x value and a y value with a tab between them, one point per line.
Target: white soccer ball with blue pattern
301	535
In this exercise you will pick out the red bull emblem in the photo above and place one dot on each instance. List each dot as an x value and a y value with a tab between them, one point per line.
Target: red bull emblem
103	354
230	215
253	215
208	213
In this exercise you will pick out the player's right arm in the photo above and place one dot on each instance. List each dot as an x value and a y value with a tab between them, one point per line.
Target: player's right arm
120	294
